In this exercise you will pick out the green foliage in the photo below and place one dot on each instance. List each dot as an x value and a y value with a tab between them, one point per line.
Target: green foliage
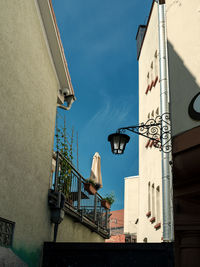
91	182
65	146
110	198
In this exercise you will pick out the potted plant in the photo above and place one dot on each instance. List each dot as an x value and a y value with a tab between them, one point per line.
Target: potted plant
107	201
90	187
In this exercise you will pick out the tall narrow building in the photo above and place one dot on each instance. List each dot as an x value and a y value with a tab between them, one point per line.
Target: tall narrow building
182	41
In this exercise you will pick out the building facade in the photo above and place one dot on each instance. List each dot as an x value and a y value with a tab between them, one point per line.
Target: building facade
183	47
149	185
131	207
183	42
34	80
116	227
183	80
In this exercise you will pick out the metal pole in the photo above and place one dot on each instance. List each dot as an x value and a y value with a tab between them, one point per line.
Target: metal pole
56	171
168	235
77	153
55	232
79	193
95	207
106	223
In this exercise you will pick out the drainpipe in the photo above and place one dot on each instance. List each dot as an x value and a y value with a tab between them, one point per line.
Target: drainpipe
168	231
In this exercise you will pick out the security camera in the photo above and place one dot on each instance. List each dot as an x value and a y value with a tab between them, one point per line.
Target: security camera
65	91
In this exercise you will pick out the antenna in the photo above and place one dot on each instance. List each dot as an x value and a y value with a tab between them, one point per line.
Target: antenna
77	150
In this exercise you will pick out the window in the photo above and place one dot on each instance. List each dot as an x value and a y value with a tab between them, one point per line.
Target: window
148	86
145	240
149	196
157	111
155	67
153	201
158	204
147	78
148	214
158	223
6	232
152	74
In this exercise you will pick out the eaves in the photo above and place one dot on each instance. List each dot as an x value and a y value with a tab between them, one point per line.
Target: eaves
55	44
149	17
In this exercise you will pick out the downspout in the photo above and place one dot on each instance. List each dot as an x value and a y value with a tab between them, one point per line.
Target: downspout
69	99
168	231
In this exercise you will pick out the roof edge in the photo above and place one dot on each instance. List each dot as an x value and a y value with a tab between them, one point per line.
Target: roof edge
149	17
55	44
140	26
131	177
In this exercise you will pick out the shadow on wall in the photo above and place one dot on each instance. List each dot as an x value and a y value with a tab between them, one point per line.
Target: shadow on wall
183	87
186	167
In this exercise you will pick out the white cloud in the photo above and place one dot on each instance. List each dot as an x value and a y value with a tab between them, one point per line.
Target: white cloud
107	116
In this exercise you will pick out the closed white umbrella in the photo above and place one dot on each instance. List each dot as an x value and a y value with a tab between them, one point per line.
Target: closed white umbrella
95	174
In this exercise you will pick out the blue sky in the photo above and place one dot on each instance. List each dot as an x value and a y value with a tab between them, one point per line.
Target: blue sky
99	42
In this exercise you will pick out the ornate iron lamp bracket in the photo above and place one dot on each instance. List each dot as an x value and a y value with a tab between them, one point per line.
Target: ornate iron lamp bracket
158	130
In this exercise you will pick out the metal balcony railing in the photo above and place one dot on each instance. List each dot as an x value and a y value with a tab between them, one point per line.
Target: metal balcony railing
78	201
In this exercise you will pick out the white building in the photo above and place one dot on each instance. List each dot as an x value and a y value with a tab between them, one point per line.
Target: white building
131	190
183	48
149	226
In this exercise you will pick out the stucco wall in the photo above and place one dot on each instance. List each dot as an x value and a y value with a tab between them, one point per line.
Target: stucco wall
131	194
27	107
73	231
183	20
183	42
28	86
149	158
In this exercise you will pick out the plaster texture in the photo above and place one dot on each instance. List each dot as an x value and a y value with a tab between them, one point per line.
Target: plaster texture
183	19
131	204
8	258
183	43
29	86
149	158
72	231
28	108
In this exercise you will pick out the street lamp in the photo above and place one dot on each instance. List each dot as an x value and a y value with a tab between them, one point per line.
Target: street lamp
152	129
118	142
159	131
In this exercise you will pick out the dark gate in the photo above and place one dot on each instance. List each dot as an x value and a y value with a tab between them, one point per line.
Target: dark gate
108	254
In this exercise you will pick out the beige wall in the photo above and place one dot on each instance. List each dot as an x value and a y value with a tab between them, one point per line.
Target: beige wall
28	107
131	190
183	32
28	86
149	158
183	39
71	231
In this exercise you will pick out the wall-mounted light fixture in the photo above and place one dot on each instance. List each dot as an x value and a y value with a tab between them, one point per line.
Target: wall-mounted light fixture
118	142
152	129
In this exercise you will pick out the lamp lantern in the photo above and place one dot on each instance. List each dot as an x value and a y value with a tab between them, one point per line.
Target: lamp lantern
118	142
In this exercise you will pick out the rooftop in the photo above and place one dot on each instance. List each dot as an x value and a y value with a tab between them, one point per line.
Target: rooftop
117	219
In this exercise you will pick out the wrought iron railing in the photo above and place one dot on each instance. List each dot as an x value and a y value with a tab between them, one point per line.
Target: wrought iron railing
71	183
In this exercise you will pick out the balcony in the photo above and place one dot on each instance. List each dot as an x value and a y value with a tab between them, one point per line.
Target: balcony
85	207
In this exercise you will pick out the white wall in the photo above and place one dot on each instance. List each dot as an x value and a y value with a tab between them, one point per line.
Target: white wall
183	31
183	34
149	158
131	194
